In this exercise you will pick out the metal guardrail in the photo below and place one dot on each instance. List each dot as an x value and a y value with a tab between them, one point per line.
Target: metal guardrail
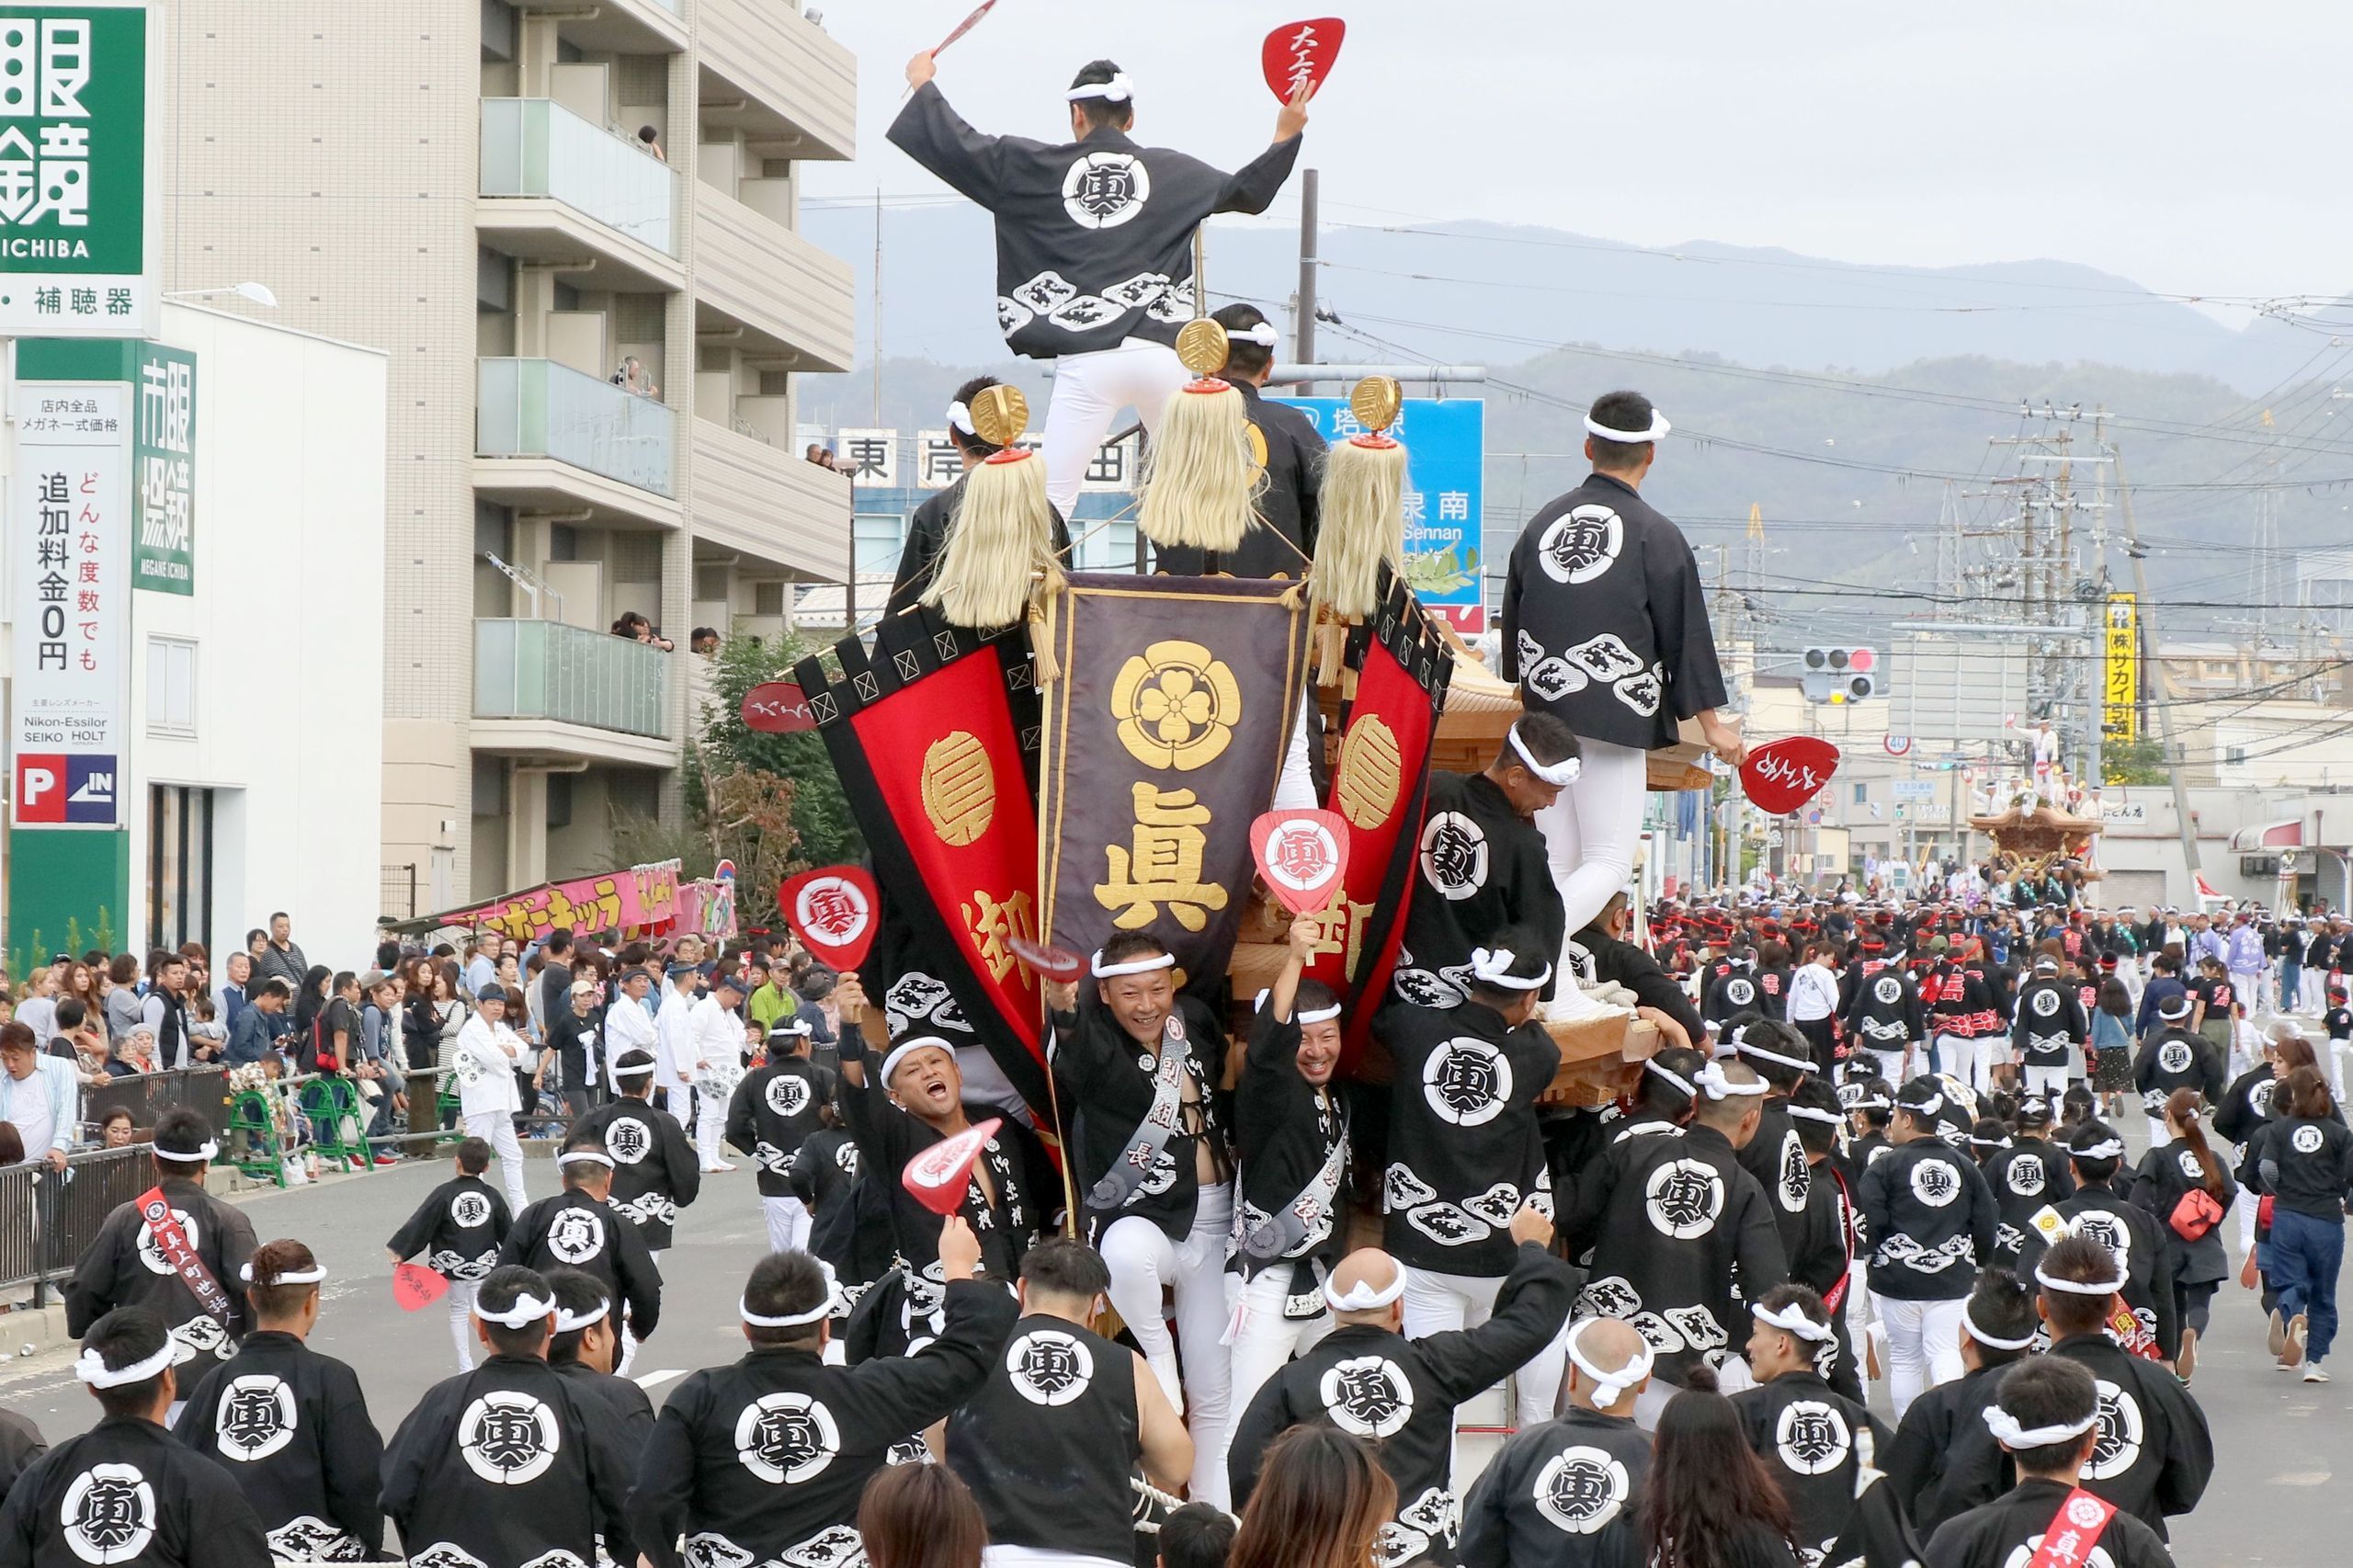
51	1218
146	1096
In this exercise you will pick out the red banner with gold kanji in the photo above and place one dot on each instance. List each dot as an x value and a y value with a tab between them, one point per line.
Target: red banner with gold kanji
930	733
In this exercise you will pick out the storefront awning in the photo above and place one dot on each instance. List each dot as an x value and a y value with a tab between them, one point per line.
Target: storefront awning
2268	835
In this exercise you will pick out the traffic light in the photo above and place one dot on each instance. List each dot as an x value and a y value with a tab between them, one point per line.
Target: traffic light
1840	674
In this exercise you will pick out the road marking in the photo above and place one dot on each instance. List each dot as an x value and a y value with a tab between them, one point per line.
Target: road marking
2301	1478
655	1379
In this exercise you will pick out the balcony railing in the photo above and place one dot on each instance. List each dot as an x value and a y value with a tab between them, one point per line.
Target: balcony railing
545	669
538	147
536	408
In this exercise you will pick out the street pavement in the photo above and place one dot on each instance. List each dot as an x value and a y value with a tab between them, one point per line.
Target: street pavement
2280	1496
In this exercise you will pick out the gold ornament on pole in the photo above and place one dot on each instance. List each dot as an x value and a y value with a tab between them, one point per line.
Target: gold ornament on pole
999	558
1204	469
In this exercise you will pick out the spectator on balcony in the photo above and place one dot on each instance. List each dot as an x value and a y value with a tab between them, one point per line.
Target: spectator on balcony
637	629
652	137
634	378
38	1098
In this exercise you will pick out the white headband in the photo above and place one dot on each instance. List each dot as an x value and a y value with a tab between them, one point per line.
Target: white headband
1810	1113
526	1311
91	1368
1493	968
1929	1107
797	1025
1362	1297
2176	1008
2106	1149
1712	1079
1563	772
2080	1287
1659	427
584	1157
1263	335
1969	1326
959	416
1740	1043
1977	1142
906	1048
1134	966
1789	1320
1310	1016
633	1071
204	1151
790	1320
1871	1102
1650	1064
570	1322
2007	1432
298	1276
1608	1385
1118	90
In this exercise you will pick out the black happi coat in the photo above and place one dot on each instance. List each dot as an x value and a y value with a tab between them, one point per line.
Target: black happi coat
459	1227
2155	1453
765	1458
1915	1462
2166	1175
1288	1133
2010	1530
2306	1164
1482	867
1006	1221
1106	1078
2247	1106
1676	1226
1605	620
1819	1261
1730	995
1464	1152
125	1492
623	1406
1599	957
290	1427
124	1267
1400	1395
2171	1059
2126	1230
2025	1177
1929	1220
1048	1442
927	532
772	1110
1567	1493
1886	1014
1289	507
502	1465
897	1316
655	1169
574	1230
1094	238
2050	1019
1776	1157
1810	1437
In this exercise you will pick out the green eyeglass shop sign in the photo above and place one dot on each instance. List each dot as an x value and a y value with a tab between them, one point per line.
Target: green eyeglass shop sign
79	202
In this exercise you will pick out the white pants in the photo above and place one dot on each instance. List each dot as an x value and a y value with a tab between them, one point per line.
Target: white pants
2159	1133
1089	391
2051	1081
788	1223
1891	1066
1591	831
1442	1303
1295	786
1142	1260
2336	1049
1262	1341
461	1323
629	1340
2245	1206
1731	1377
497	1127
1923	1346
1985	1056
711	1126
1954	1055
2250	987
678	1100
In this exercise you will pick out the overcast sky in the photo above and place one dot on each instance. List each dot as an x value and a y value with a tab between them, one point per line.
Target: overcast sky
2190	146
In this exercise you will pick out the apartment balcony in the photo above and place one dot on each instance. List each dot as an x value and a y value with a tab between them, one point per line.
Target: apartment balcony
771	71
550	438
621	26
545	688
559	189
769	289
768	504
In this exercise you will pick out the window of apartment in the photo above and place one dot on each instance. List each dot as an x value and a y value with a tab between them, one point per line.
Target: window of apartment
877	538
2235	755
171	686
1099	548
1862	794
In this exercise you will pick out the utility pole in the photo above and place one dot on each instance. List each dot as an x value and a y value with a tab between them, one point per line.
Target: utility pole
877	321
2175	760
1303	328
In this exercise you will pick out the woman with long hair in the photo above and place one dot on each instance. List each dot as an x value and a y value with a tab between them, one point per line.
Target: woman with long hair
1321	1501
2303	1158
1709	1501
2111	1046
2186	1163
920	1516
310	999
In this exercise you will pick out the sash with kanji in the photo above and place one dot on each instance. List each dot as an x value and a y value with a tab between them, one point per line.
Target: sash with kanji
1164	736
1124	1181
156	1212
1380	782
2073	1531
928	733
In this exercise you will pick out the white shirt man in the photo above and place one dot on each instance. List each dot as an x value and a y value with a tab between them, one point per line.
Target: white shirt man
674	1053
628	1024
713	1054
38	1095
485	1056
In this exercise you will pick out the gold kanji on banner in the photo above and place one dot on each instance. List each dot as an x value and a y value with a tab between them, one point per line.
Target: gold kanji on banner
1164	864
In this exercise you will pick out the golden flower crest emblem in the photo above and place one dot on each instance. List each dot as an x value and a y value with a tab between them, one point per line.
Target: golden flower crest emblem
1176	706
